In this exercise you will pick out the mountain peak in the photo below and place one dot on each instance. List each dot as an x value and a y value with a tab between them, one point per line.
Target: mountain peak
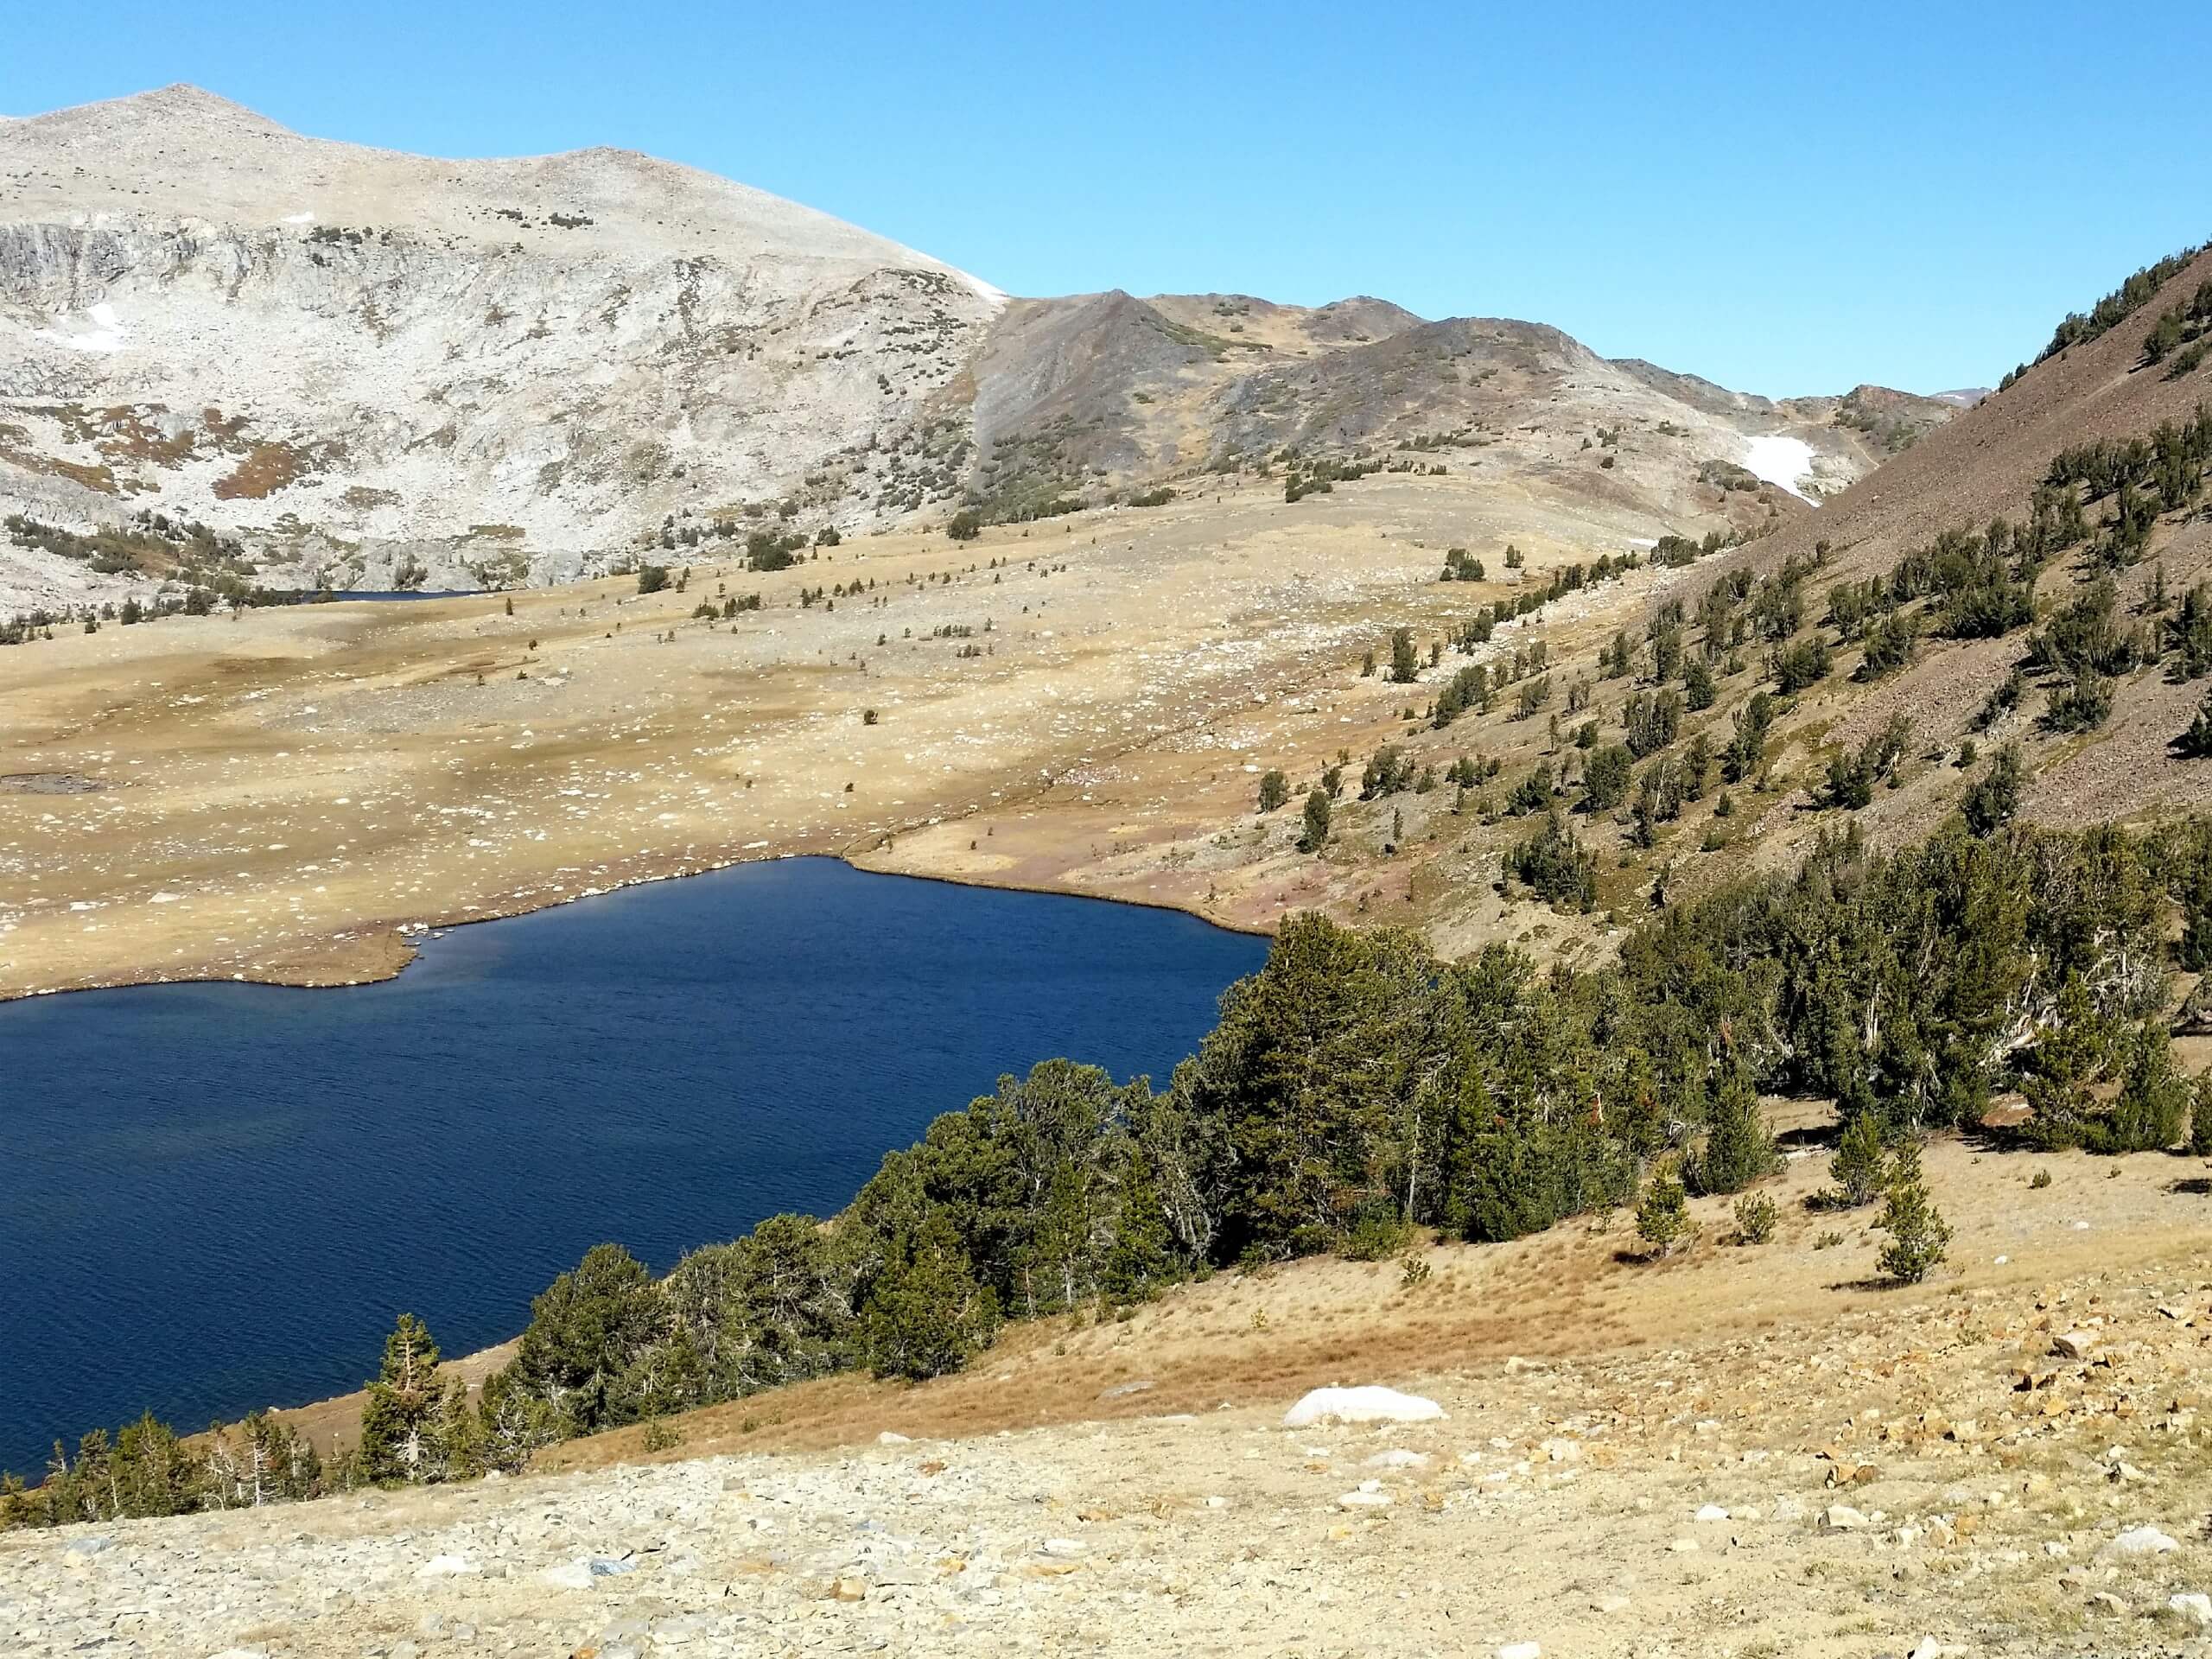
179	101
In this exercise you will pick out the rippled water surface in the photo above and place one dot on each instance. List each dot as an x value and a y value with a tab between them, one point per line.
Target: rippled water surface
217	1197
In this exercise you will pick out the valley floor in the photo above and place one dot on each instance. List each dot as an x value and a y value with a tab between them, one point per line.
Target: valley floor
1084	704
1749	1451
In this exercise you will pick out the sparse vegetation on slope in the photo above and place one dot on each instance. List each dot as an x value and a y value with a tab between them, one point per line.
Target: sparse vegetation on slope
2078	329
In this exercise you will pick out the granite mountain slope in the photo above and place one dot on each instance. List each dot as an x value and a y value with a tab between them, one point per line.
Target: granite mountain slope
372	369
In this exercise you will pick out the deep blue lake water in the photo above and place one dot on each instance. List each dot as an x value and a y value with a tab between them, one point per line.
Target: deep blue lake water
214	1197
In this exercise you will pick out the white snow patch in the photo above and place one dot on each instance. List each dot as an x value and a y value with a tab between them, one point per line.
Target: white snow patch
106	334
996	297
1363	1405
299	219
1778	459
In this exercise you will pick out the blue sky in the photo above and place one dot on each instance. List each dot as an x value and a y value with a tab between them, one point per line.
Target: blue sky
1783	199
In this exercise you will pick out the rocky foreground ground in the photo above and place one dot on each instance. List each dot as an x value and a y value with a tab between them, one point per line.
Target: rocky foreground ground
1989	1471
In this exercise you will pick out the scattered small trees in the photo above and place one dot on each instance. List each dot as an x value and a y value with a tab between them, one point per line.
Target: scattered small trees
1533	792
1387	770
1556	864
1605	779
1405	665
2195	743
1699	687
1662	1216
1851	778
1468	688
1796	666
1652	720
1756	1215
1274	789
652	578
1993	799
1742	760
1316	834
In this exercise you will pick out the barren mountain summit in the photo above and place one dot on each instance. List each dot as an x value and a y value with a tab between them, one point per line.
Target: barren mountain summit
184	151
523	361
240	356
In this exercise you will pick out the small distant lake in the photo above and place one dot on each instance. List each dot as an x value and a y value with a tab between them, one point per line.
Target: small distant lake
214	1197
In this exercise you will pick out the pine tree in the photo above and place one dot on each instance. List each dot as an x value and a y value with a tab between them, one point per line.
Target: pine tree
1142	1256
926	1313
153	1474
1904	1168
399	1419
1316	836
1858	1165
1053	1269
1919	1236
516	1422
1990	804
2200	1118
2153	1098
2069	1059
1738	1146
463	1444
586	1329
1405	666
1663	1216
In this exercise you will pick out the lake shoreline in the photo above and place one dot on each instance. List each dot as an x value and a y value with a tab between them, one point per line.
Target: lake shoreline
348	960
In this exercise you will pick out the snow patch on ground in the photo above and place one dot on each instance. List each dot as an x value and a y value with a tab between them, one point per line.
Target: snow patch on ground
1786	461
106	334
996	296
299	219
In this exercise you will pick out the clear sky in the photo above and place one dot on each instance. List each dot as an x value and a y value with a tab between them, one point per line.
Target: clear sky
1784	199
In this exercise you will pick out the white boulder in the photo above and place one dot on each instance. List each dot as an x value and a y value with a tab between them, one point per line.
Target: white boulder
2141	1541
1362	1405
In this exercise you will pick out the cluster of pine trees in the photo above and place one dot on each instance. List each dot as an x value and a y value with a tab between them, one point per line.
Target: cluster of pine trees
2123	302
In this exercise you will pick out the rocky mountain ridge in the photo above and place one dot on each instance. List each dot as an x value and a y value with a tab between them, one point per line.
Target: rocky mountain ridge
372	369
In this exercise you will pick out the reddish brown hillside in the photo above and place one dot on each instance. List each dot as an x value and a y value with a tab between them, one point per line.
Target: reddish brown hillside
1988	459
1983	465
